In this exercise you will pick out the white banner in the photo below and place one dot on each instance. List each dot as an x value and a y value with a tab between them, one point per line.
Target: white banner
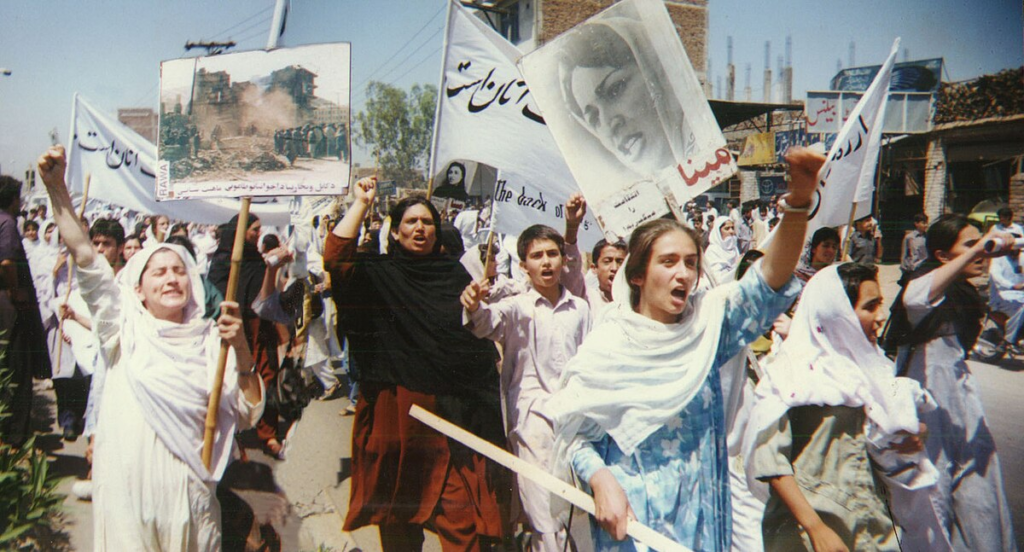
629	114
847	177
122	163
486	114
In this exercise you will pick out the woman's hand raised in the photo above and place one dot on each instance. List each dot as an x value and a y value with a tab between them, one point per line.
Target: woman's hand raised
365	190
804	164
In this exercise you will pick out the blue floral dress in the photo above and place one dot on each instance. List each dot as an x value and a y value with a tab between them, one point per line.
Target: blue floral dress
677	480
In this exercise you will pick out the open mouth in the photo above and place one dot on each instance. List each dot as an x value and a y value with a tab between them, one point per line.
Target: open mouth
547	273
631	145
679	294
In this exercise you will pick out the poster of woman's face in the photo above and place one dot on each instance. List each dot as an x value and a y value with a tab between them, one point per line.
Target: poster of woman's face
456	174
627	112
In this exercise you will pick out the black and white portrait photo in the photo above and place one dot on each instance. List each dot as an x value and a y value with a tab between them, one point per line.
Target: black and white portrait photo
628	113
453	185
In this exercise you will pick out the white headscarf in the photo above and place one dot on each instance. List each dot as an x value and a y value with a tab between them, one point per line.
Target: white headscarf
171	367
632	373
827	360
722	254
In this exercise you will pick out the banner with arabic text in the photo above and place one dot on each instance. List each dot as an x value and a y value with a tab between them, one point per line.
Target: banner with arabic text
486	115
847	177
121	164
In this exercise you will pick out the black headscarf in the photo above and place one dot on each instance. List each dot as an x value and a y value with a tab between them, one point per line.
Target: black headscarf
402	316
963	309
250	280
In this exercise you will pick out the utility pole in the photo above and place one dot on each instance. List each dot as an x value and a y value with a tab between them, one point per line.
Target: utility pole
212	48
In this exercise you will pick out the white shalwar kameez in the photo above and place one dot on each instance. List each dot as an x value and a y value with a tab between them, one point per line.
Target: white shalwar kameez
151	491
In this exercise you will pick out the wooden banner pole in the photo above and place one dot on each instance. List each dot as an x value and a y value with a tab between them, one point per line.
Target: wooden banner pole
549	482
490	248
849	233
71	267
229	295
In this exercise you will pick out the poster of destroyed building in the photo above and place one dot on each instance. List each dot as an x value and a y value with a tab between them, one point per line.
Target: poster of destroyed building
255	124
628	113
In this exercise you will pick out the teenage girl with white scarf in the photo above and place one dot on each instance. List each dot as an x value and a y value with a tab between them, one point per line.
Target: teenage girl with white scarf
830	422
723	253
152	490
640	420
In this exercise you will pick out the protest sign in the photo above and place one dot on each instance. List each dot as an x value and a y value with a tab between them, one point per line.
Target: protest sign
629	114
759	149
847	177
485	114
518	205
262	123
122	164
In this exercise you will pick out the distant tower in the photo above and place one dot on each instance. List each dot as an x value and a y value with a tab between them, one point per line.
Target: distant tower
730	86
787	72
839	65
853	52
906	54
718	87
767	71
746	87
777	89
709	91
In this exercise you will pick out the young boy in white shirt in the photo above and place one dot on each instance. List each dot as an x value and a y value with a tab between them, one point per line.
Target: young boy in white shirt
539	331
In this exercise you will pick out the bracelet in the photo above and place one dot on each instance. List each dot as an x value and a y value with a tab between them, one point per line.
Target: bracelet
787	208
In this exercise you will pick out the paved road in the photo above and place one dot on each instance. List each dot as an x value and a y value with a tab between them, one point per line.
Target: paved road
1002	392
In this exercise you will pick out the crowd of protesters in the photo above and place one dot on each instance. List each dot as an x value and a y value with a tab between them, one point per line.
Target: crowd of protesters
727	389
326	140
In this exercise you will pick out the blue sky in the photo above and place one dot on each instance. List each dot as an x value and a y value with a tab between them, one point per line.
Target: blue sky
110	50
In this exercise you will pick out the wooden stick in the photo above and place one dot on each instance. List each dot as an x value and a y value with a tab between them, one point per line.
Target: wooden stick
490	248
549	482
849	233
236	260
71	266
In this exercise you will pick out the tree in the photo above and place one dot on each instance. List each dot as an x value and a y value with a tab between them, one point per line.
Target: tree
398	126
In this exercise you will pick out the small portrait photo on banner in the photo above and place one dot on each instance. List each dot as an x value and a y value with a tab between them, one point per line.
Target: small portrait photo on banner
626	107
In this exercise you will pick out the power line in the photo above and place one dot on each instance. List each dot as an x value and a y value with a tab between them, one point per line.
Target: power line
418	48
362	94
415	65
261	22
257	33
148	93
242	22
402	47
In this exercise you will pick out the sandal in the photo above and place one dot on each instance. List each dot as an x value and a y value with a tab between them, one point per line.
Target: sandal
274	449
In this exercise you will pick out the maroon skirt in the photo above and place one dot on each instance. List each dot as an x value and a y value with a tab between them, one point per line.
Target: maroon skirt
400	467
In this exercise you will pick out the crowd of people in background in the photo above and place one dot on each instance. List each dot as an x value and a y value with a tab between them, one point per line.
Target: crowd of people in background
727	388
326	140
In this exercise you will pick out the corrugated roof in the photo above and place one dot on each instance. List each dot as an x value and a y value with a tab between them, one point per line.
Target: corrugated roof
730	113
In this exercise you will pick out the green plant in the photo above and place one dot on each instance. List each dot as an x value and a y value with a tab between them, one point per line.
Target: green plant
29	502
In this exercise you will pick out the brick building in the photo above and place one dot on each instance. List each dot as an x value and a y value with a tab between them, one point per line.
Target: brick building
530	23
140	119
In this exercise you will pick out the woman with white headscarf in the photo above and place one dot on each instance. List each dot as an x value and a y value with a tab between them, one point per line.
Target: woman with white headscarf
830	422
723	253
152	490
641	419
